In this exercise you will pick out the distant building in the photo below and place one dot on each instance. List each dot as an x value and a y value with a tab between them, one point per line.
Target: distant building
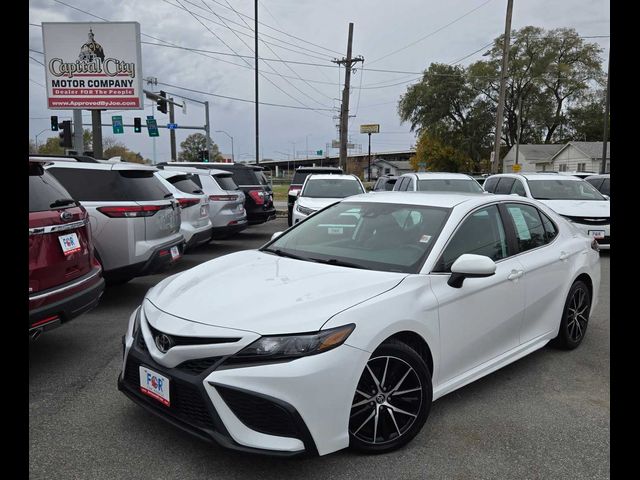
570	157
381	167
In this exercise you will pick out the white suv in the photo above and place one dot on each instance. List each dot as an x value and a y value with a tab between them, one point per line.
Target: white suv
437	182
135	221
194	207
573	198
321	190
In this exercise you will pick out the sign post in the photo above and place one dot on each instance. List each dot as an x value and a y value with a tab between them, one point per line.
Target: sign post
369	129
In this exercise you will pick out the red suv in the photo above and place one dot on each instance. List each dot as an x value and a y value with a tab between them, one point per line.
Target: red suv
65	279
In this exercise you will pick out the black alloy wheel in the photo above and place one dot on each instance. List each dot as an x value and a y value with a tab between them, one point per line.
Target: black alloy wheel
392	399
575	317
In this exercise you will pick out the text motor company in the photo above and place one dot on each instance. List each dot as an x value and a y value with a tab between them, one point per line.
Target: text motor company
93	65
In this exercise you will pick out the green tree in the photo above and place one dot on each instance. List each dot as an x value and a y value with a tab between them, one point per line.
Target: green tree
585	119
51	147
32	146
438	157
193	145
113	148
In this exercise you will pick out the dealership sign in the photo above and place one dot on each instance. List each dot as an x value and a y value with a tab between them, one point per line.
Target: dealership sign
93	65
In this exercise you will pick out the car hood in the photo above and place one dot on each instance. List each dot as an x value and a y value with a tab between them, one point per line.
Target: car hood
267	294
317	203
579	208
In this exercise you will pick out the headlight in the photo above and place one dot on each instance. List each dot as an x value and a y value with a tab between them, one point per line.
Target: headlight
293	346
304	210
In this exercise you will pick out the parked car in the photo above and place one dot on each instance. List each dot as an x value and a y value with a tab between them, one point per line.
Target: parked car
135	221
573	198
258	201
226	200
581	175
437	182
65	279
298	179
601	183
320	190
384	183
348	338
195	224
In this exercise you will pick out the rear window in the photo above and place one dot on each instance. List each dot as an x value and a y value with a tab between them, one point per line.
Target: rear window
111	186
44	190
185	183
243	176
299	177
226	182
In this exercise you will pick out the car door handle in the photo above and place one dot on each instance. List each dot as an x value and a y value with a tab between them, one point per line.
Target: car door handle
564	256
515	274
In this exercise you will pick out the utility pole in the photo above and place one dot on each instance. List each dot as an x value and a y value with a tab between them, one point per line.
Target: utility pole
603	168
518	128
369	161
172	132
503	84
78	140
344	110
206	128
256	81
96	127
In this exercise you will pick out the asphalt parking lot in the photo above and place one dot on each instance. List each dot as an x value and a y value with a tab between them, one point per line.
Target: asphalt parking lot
545	416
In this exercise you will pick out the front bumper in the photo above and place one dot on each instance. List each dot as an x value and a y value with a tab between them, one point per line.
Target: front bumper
287	409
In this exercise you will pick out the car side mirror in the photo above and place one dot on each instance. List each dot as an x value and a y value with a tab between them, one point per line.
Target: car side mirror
275	235
469	265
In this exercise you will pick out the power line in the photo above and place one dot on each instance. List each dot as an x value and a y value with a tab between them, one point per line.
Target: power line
430	34
471	54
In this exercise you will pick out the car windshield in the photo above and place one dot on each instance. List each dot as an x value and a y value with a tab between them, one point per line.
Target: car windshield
331	188
559	189
449	185
375	236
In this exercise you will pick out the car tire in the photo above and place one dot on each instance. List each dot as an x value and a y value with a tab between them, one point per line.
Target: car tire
392	400
575	317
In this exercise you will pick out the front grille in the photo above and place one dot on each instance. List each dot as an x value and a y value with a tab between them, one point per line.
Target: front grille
198	365
259	413
179	340
187	402
590	220
140	342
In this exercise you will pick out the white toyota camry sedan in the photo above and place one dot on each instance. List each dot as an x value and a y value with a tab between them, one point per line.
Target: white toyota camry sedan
343	330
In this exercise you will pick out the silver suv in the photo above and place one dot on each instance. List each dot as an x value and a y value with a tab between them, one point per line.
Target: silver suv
226	205
194	207
135	221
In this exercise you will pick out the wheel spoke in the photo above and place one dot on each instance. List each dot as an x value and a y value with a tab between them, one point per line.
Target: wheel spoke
363	409
375	424
361	402
375	379
365	422
579	330
402	392
384	375
401	380
393	417
399	410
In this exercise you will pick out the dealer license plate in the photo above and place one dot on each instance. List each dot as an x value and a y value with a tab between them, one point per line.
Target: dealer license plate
599	234
175	252
69	243
154	385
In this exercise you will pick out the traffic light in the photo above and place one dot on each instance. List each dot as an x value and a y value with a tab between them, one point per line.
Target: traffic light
65	135
54	123
137	124
162	103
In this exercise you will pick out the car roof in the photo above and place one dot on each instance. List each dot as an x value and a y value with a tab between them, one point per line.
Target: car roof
599	175
345	176
317	169
195	170
433	199
116	166
439	175
536	176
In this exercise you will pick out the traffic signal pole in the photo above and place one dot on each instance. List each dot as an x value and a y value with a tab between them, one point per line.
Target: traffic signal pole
172	132
96	122
78	140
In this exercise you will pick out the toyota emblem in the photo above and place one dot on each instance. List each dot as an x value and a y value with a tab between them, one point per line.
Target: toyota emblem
164	342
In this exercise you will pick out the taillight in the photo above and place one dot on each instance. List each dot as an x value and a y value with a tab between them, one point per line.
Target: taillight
258	196
223	198
130	212
188	202
294	190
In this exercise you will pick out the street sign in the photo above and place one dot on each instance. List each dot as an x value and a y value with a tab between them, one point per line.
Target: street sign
517	167
172	126
318	152
370	128
116	121
152	126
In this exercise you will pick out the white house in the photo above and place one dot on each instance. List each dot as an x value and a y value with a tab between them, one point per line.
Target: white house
381	167
570	157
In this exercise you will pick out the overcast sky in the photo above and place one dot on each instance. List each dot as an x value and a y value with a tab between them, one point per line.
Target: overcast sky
400	35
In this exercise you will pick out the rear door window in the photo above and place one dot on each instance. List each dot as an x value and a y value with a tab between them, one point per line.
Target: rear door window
185	183
530	232
504	185
226	182
111	186
490	184
44	190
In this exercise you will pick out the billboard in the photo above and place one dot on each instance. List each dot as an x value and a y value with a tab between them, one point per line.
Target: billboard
93	65
370	128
